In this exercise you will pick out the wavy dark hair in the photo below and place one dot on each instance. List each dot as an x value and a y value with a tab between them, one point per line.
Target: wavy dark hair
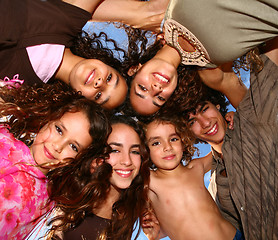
105	49
83	190
183	132
28	108
182	110
142	53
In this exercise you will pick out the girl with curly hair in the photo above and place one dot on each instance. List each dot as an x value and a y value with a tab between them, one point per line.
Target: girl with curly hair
103	195
41	129
43	48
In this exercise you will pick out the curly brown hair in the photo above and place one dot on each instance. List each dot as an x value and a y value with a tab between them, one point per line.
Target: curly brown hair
82	190
28	108
183	132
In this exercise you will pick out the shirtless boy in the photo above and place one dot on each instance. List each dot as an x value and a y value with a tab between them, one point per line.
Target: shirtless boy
181	202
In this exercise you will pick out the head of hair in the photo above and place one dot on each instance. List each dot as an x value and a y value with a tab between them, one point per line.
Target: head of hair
28	108
183	133
89	178
189	102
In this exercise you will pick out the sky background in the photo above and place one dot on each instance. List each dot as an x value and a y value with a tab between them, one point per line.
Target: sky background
120	36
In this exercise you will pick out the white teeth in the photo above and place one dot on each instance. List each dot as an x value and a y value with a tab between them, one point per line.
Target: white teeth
122	171
161	78
212	130
89	78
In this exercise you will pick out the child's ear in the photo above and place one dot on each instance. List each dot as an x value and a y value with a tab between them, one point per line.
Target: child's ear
134	69
217	107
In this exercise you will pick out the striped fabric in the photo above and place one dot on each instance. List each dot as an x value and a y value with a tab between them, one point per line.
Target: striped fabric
251	156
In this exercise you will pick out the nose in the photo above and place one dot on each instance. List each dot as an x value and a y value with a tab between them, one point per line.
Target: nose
57	146
167	147
98	82
204	122
156	88
125	159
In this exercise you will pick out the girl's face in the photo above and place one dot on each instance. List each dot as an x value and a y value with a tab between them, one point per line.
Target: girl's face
99	82
208	124
62	138
125	157
152	85
165	145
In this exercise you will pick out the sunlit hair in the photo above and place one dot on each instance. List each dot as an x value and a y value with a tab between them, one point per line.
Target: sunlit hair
86	186
100	46
28	108
182	111
142	53
183	132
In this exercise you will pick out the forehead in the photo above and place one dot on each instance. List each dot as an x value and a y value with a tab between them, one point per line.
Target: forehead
122	132
159	129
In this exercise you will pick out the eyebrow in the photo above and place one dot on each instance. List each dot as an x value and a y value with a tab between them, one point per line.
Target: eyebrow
116	144
115	85
153	138
198	111
141	96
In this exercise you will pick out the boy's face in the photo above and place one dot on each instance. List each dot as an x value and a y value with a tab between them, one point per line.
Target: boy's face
208	124
165	145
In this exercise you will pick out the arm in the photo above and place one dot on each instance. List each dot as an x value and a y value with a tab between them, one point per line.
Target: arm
226	81
206	161
147	15
87	5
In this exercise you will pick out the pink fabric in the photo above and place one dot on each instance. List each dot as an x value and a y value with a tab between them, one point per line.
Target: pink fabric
45	59
23	191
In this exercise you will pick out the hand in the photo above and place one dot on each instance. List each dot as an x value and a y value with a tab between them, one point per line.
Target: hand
230	119
151	226
146	15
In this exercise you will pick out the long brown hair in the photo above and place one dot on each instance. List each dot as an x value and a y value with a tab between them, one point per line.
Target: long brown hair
84	189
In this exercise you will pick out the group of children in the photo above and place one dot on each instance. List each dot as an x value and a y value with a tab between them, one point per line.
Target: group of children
67	159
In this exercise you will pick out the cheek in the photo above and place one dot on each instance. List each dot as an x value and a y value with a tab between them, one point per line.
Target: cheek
113	159
43	135
136	160
68	153
195	129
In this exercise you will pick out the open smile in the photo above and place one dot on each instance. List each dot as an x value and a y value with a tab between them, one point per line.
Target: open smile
161	78
91	77
124	173
213	130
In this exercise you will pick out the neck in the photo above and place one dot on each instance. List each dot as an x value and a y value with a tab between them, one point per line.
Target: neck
217	147
105	208
169	172
170	55
68	63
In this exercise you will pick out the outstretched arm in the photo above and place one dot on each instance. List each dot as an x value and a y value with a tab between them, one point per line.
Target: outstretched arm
226	81
147	15
88	5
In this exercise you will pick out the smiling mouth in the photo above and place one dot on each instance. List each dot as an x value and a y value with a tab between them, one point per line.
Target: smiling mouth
161	78
48	154
213	130
90	77
124	173
169	157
